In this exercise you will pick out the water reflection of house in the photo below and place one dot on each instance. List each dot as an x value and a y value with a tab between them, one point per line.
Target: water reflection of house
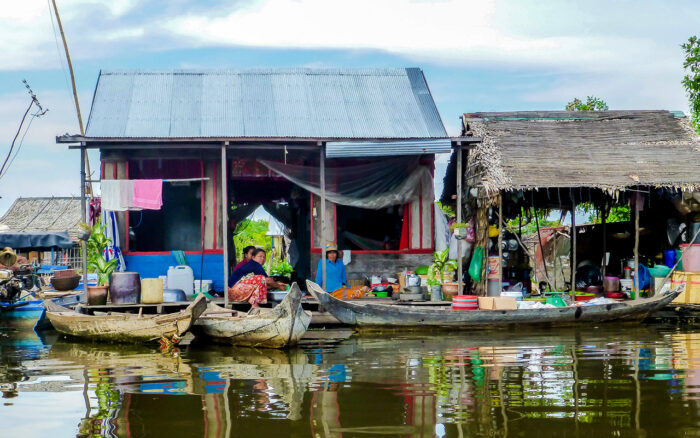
376	131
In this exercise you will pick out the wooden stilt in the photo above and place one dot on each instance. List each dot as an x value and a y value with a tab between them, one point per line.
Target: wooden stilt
500	241
636	246
323	215
224	218
459	218
573	247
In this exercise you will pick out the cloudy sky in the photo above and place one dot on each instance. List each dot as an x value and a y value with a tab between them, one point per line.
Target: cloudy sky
486	55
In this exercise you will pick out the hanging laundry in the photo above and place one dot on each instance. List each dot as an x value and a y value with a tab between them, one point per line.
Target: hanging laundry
148	194
126	195
109	219
111	195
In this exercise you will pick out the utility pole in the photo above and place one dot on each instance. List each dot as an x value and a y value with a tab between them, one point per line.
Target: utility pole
88	185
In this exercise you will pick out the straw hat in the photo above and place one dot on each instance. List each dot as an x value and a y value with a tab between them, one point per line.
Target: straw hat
331	247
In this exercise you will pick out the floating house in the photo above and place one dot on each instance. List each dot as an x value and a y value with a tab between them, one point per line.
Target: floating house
645	161
226	142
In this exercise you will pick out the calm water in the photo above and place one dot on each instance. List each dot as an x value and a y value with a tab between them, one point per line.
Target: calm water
615	381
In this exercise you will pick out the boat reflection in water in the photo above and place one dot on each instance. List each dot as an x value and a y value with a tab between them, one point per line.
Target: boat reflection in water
617	380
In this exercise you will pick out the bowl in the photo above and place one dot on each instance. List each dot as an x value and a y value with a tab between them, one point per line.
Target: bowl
615	295
66	283
580	296
174	295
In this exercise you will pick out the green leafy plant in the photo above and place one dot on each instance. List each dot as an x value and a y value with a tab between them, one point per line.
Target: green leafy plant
592	104
441	264
449	212
691	81
96	245
251	232
281	267
457	225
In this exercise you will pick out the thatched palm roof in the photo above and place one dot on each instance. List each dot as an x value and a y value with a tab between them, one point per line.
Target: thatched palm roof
42	215
609	150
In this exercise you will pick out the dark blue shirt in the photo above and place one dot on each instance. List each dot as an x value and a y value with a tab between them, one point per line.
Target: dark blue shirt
252	267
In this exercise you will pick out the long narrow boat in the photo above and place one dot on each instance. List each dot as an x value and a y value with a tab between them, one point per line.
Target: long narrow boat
28	314
391	315
124	327
279	327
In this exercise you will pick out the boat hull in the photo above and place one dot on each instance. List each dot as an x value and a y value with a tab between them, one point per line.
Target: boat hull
28	314
387	315
279	327
124	327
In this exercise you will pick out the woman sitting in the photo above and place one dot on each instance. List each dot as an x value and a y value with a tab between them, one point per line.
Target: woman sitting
250	281
336	278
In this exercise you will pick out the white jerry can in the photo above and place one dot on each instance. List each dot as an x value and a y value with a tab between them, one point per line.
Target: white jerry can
181	277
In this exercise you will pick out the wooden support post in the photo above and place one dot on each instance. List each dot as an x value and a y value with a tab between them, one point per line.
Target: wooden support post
83	216
224	218
500	241
573	248
323	215
636	246
605	239
459	218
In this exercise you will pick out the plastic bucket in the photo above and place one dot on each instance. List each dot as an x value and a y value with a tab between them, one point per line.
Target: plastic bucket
691	257
152	290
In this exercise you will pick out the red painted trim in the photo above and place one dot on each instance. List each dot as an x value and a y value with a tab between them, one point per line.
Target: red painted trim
102	170
151	253
201	208
398	251
420	214
126	221
432	226
216	206
311	243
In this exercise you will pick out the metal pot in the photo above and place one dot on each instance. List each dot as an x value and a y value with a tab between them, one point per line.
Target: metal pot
125	288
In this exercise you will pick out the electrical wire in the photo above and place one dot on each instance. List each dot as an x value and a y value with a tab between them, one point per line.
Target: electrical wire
59	58
21	142
19	129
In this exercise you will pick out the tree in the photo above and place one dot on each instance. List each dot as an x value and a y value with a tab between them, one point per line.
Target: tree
592	104
691	81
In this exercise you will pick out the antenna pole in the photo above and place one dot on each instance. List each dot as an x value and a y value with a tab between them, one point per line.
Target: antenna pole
88	188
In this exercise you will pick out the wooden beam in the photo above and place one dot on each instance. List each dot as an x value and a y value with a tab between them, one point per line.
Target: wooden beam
224	218
573	248
459	218
637	198
323	216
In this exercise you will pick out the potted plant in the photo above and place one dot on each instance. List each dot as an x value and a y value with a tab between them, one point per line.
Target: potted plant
436	271
281	270
96	245
435	287
459	229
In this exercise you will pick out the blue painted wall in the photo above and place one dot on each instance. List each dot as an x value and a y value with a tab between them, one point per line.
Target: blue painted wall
151	266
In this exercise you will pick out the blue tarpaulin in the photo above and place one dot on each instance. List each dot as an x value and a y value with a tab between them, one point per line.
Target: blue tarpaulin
36	240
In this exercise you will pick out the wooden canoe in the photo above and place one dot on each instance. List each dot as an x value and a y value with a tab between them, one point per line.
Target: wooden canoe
124	327
391	315
279	327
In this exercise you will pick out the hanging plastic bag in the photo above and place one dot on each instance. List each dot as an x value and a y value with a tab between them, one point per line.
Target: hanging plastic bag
476	264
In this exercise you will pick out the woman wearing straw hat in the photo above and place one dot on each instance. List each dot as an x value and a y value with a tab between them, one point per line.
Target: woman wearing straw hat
336	278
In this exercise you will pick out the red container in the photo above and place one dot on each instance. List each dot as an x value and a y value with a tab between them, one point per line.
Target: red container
584	297
615	295
691	257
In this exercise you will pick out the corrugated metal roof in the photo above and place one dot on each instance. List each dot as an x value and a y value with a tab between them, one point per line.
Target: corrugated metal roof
266	103
345	149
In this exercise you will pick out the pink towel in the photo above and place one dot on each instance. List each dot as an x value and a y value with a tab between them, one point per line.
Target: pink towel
148	194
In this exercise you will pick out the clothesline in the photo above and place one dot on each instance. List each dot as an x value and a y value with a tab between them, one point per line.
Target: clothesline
165	180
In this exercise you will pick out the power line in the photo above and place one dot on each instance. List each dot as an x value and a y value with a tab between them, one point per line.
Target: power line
40	112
